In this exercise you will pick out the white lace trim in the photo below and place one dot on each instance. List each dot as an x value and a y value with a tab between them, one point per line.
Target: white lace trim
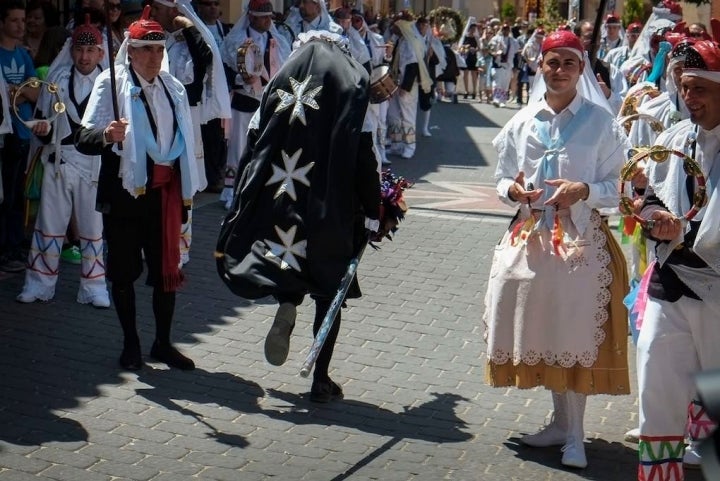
602	299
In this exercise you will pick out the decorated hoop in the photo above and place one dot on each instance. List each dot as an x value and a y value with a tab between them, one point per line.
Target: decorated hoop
249	61
447	22
58	105
660	154
655	124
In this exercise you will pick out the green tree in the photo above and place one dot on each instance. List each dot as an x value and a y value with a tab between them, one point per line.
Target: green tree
634	12
508	12
552	12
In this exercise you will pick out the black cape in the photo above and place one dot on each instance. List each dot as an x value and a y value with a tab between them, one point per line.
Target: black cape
296	235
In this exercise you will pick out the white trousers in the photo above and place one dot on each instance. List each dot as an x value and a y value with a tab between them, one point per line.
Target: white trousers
401	117
501	84
677	340
236	145
376	123
64	193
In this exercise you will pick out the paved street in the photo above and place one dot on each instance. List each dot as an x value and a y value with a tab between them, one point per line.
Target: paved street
410	360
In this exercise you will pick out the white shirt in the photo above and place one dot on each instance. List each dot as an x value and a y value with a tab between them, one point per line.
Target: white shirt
593	154
84	84
158	102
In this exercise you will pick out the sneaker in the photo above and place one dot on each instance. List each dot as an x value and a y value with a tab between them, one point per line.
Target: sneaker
323	391
691	458
101	300
633	436
426	133
277	342
26	298
71	255
407	153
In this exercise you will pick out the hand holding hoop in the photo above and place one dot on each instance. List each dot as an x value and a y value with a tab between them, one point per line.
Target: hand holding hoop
58	105
661	154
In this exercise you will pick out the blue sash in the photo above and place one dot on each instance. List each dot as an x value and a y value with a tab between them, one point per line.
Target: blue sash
549	166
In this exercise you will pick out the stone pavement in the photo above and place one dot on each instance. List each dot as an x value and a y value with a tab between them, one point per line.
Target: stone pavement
410	359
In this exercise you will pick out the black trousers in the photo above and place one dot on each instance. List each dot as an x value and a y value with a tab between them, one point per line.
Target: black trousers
215	149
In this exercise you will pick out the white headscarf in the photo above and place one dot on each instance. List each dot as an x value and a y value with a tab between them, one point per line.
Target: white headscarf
587	87
238	34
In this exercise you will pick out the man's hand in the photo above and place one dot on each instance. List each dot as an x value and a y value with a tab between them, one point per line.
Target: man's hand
667	227
518	193
41	128
181	22
115	132
604	87
567	193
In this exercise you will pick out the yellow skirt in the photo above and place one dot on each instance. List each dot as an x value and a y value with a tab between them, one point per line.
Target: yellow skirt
609	374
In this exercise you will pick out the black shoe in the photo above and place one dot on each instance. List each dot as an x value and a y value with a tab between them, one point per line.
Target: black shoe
171	356
473	96
465	96
277	342
323	391
131	358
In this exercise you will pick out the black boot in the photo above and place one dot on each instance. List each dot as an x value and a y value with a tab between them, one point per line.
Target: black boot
162	350
323	388
124	299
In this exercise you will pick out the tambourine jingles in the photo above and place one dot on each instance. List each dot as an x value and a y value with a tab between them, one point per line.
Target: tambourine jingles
249	61
661	154
58	105
655	124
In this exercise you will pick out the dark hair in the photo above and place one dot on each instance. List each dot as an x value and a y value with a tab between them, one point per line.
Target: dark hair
50	13
7	5
50	45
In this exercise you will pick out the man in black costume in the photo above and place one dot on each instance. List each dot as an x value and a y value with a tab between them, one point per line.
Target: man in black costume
309	188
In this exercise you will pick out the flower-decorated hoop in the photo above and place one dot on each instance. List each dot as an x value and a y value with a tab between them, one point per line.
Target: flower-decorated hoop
52	88
655	124
661	154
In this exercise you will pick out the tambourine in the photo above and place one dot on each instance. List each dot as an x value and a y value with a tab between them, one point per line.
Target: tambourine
655	124
249	61
58	105
658	153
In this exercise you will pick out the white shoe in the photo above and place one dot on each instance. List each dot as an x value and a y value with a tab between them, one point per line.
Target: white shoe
691	458
426	133
574	454
101	301
184	258
26	298
407	153
550	435
385	161
496	103
633	436
502	105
